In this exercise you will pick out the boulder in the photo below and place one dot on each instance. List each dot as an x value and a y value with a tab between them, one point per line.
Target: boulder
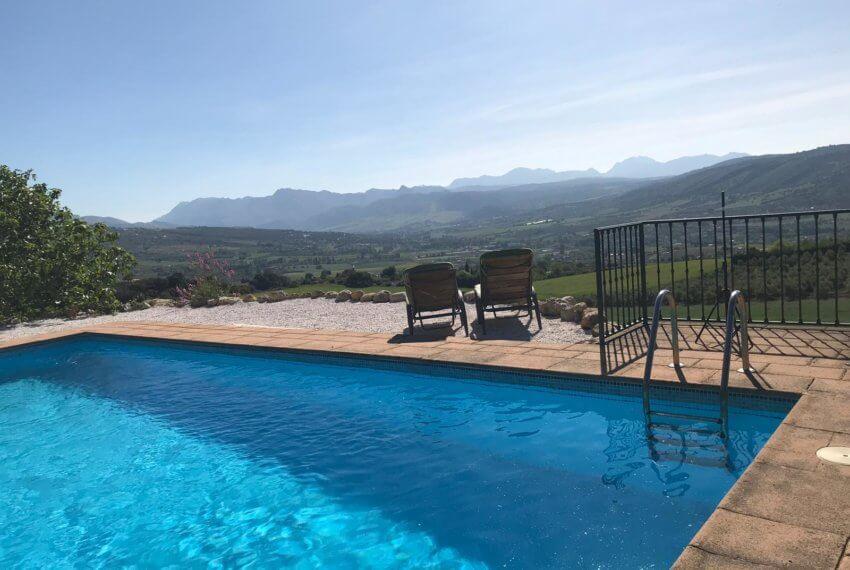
553	307
398	297
579	309
568	313
469	296
595	331
356	296
382	297
344	295
249	298
161	303
589	318
212	302
367	298
316	294
228	300
330	295
274	297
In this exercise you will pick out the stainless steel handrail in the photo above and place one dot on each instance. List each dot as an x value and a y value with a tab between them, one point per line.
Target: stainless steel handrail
653	337
736	302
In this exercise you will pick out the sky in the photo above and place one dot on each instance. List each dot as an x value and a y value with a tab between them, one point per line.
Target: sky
131	107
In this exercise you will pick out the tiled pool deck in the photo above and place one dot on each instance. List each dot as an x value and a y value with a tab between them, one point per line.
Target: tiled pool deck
788	509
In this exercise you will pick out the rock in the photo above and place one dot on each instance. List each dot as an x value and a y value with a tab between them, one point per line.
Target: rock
553	307
316	294
274	297
356	296
398	297
367	297
579	309
212	302
249	298
469	296
330	295
161	303
136	306
568	313
382	297
595	330
589	318
228	300
344	295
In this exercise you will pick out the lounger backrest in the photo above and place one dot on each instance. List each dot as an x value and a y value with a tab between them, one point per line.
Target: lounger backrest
431	287
506	276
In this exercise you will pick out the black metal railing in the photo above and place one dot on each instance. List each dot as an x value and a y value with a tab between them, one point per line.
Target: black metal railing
793	268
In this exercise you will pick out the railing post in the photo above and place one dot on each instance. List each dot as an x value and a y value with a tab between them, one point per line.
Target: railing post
643	293
600	300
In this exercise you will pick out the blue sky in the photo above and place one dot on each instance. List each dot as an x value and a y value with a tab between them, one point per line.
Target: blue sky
130	107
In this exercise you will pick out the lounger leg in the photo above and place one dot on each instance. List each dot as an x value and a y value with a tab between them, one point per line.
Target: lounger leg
480	310
410	319
537	310
463	321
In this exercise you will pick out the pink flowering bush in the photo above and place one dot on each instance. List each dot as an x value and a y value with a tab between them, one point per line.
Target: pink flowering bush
212	279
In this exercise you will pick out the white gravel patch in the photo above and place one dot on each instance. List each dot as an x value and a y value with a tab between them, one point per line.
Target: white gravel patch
314	314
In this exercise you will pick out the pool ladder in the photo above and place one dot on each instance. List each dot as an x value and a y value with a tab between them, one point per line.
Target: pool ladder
737	305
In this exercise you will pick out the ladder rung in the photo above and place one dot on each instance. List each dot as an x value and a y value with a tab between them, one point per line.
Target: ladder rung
685	416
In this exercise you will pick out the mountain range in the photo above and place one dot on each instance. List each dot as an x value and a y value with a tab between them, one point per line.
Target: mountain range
818	178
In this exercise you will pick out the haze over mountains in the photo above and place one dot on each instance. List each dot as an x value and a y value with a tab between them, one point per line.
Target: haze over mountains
818	178
634	167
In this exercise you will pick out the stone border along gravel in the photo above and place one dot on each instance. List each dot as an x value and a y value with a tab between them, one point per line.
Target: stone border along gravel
323	311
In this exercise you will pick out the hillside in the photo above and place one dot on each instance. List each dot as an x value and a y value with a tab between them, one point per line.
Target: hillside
814	179
424	211
384	210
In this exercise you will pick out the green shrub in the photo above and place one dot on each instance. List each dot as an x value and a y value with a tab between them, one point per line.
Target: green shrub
51	263
204	290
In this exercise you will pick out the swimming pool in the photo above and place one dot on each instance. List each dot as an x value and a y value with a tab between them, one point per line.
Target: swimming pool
115	451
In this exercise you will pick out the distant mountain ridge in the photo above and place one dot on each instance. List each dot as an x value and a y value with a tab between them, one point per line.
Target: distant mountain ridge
123	224
519	176
645	167
634	167
818	178
290	208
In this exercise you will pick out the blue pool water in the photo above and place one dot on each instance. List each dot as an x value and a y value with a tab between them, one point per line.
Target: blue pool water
117	452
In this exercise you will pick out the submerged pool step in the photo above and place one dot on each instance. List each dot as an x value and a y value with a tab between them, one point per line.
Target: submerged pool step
684	442
679	416
691	459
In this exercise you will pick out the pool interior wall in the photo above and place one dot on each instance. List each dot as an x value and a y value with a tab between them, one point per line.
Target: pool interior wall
129	451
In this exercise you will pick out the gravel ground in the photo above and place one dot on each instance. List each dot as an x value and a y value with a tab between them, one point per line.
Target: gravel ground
313	314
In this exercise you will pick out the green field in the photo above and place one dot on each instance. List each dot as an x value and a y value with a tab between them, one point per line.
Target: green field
581	285
584	284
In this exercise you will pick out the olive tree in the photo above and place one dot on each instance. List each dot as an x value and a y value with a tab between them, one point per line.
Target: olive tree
51	263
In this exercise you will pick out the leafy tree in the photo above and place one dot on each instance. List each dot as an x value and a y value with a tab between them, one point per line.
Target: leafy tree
51	263
354	278
389	272
270	280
